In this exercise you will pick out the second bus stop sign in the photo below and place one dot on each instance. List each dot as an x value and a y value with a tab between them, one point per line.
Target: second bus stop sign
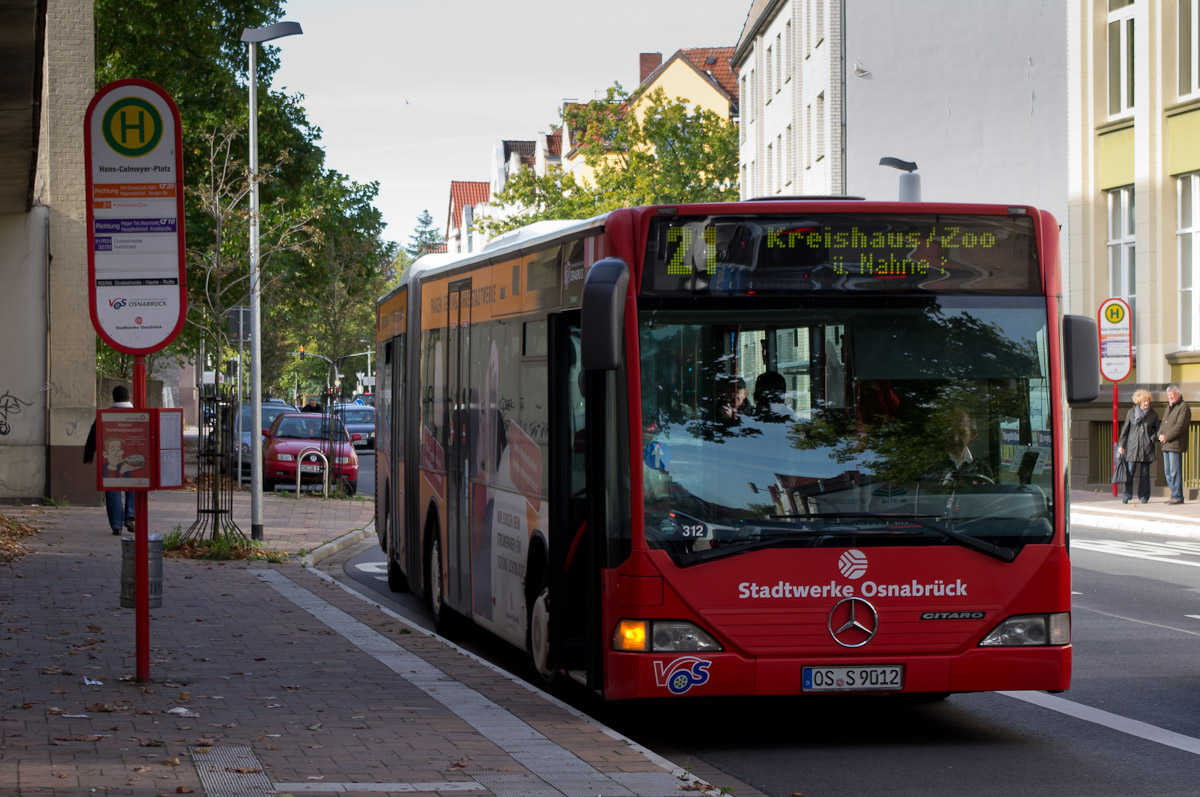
1115	323
136	275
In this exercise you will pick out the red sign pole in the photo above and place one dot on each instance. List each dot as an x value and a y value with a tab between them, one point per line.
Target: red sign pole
1114	430
141	544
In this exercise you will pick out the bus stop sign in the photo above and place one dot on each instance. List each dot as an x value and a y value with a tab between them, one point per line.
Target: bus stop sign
1115	324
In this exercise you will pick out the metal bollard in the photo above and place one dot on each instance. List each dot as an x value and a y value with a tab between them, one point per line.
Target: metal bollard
129	572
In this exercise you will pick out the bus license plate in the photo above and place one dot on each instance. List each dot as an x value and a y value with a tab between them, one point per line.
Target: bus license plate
853	679
310	468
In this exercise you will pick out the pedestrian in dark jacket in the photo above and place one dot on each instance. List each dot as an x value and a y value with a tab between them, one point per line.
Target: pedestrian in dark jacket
1137	444
1173	434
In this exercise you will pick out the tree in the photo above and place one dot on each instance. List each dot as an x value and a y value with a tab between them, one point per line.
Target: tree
643	149
425	238
193	50
331	299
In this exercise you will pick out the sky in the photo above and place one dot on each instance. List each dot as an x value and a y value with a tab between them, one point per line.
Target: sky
414	93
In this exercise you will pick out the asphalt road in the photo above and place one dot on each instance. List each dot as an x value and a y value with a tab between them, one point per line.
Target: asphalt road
1129	725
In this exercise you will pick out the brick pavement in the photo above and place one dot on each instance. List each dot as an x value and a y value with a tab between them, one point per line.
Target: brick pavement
265	679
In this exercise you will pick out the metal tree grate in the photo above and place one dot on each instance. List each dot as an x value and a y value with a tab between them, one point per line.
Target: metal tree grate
215	462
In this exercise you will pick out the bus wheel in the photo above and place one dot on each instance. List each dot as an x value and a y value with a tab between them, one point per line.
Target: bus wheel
437	605
539	634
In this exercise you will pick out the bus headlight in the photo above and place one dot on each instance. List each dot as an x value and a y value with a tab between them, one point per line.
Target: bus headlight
1031	629
661	636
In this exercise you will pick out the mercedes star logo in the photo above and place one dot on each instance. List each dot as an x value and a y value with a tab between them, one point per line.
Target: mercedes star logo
853	622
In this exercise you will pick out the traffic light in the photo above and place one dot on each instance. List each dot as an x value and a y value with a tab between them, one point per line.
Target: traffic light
301	352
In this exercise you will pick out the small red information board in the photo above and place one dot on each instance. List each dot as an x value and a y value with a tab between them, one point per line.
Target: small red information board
139	449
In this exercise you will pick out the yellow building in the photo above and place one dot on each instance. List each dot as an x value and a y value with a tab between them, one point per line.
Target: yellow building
701	76
1134	171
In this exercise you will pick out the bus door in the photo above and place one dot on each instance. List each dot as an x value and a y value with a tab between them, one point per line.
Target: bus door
574	569
458	507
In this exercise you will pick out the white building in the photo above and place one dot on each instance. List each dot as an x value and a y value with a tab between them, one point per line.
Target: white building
974	93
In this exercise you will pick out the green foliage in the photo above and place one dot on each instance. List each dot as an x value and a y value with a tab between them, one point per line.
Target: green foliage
675	153
320	249
425	238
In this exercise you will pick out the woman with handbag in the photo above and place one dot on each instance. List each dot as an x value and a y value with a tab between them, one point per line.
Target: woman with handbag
1136	444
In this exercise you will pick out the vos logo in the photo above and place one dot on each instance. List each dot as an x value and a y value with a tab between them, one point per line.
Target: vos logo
682	674
117	304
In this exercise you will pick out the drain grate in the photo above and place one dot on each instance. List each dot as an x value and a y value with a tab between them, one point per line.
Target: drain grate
231	772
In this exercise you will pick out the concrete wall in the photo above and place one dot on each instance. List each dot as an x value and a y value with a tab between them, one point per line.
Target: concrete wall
23	355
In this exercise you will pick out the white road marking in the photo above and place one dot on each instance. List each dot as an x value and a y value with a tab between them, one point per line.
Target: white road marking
1150	551
372	567
1142	730
1193	616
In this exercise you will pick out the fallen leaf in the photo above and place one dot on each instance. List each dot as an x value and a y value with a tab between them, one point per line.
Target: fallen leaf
141	768
184	697
173	761
316	726
243	770
95	629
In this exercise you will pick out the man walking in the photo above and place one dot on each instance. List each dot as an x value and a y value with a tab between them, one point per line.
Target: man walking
1173	434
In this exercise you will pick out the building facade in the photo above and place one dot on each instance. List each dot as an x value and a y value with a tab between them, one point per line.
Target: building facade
48	363
1135	200
974	94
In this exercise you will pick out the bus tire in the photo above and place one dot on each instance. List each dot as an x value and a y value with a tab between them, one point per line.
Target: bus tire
438	609
396	580
539	635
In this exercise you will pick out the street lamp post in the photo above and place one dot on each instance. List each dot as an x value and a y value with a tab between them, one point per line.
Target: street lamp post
253	37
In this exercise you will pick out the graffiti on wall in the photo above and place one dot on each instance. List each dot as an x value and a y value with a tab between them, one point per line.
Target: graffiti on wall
10	405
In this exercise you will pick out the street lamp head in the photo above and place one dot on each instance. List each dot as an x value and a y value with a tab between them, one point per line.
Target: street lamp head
896	163
266	34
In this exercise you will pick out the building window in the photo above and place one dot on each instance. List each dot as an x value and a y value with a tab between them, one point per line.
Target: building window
791	46
745	96
770	168
1120	57
770	69
808	40
1189	48
778	62
791	155
1188	236
1122	276
808	138
821	125
779	163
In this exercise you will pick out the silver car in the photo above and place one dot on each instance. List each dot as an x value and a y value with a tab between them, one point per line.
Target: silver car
359	420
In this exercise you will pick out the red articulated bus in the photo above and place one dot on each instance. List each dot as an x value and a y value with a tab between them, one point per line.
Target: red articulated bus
756	448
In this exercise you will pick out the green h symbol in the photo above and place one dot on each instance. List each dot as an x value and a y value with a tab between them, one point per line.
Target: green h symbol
126	126
117	127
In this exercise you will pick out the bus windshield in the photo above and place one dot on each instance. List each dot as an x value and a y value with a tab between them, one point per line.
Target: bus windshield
917	420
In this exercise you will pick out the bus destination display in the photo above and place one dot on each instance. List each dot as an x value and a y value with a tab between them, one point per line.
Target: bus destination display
842	252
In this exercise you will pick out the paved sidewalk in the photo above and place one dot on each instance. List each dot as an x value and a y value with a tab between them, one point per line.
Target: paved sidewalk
266	679
1100	509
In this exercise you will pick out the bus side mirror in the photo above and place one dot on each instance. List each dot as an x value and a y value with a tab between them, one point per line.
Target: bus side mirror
603	317
1081	358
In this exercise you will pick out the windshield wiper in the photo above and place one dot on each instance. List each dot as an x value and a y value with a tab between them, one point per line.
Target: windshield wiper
965	540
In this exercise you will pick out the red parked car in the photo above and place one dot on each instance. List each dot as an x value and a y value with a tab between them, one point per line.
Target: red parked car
292	434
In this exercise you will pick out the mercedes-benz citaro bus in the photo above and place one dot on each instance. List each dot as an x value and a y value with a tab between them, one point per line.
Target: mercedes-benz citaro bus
755	448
